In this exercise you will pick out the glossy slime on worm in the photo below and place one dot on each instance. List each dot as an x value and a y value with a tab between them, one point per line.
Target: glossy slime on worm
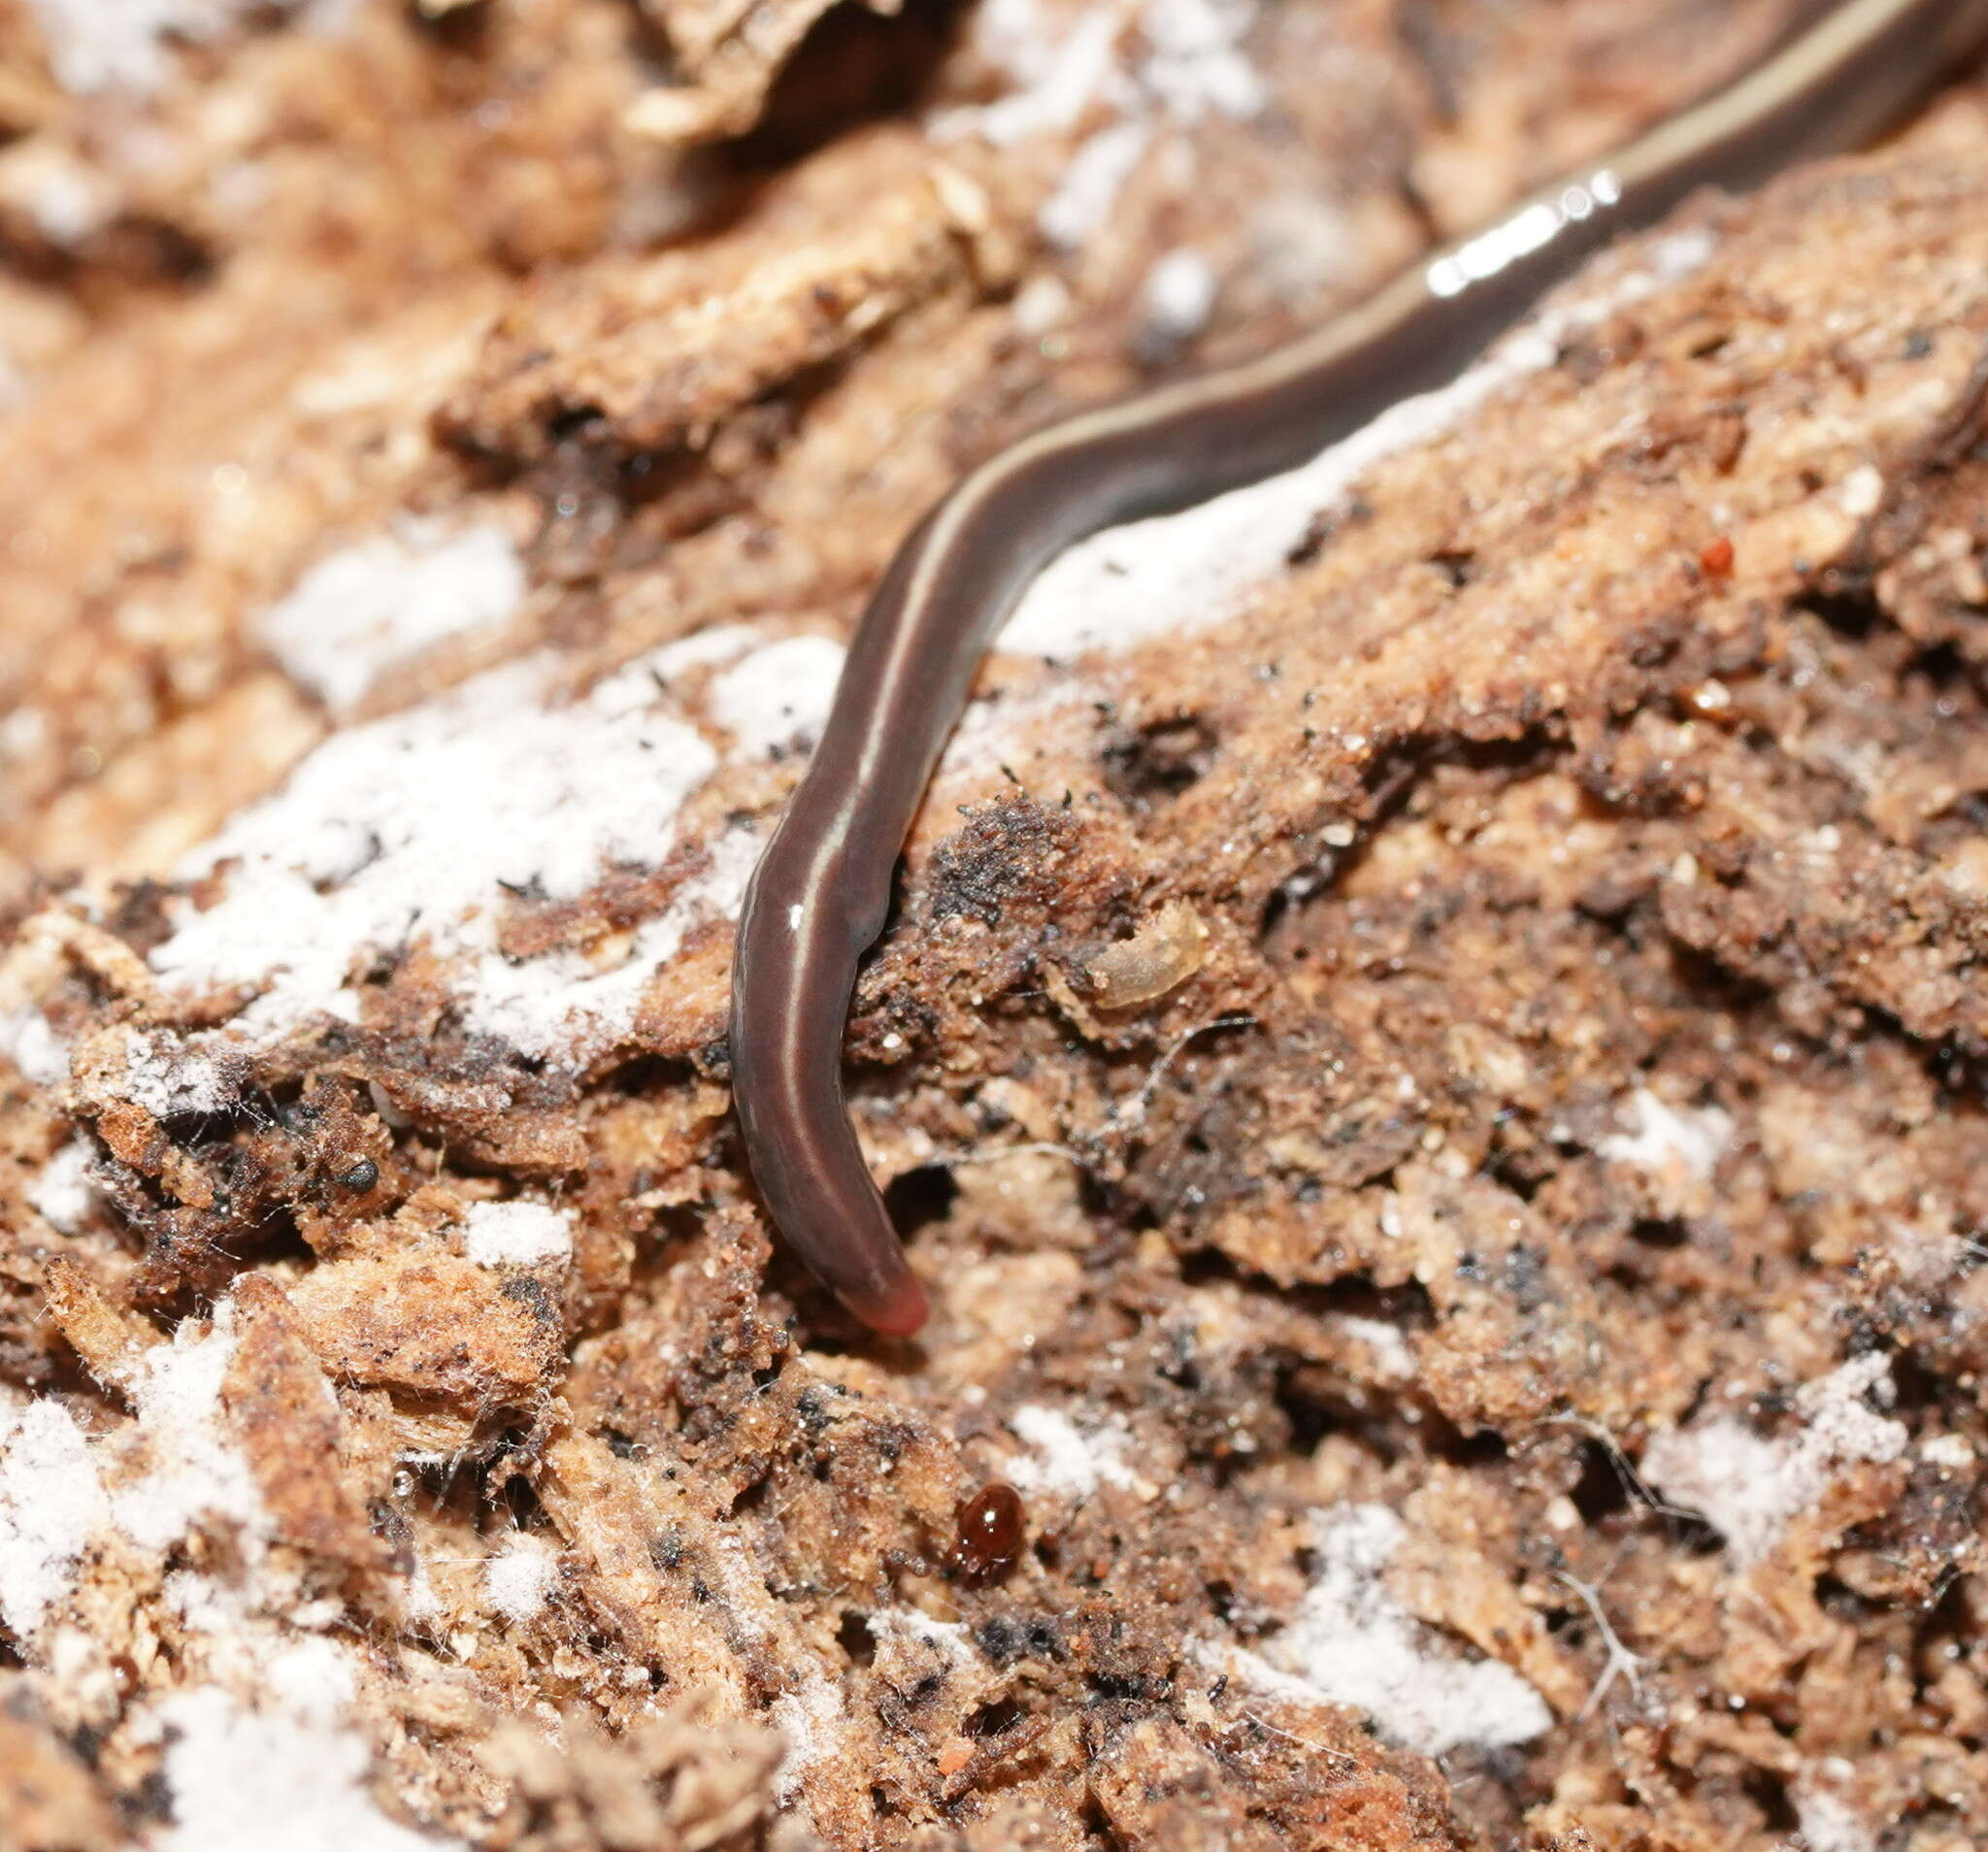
820	892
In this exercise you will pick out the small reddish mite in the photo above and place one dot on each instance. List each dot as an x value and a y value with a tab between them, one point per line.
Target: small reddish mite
991	1532
1717	557
954	1757
125	1675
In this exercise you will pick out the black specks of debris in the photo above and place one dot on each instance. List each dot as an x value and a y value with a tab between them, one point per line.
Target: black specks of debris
1005	854
1324	527
533	1297
1007	1638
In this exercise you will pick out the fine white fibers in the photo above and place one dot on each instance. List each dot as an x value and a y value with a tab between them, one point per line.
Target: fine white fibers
1750	1488
1666	1137
52	1503
1067	1460
224	1610
368	607
724	643
517	1233
62	1195
519	1576
950	1639
777	695
1179	571
313	1678
1352	1644
990	729
288	1771
809	1718
423	826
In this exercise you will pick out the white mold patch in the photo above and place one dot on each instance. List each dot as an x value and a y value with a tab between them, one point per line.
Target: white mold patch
1053	78
520	1577
517	1233
810	1719
1082	203
364	611
290	1773
193	1470
779	695
951	1639
169	1080
52	1503
1194	64
1352	1644
28	1041
151	1480
1064	1457
1750	1488
1828	1822
423	827
62	1194
1669	1137
1394	1361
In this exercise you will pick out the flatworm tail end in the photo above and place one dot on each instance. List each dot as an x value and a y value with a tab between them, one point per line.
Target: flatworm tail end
900	1311
794	967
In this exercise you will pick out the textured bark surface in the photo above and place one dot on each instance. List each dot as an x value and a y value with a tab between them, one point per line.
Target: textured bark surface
1429	1054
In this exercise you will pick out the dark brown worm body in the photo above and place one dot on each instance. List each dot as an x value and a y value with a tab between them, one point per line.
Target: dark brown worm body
820	892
